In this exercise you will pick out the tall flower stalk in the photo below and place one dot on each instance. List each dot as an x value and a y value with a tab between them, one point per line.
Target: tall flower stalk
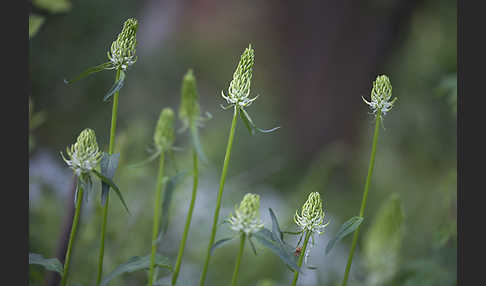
238	98
310	221
163	139
380	104
245	222
189	113
121	56
83	157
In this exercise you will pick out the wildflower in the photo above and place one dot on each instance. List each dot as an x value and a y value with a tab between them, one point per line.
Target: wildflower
164	131
381	95
122	51
239	89
84	155
189	111
247	215
312	215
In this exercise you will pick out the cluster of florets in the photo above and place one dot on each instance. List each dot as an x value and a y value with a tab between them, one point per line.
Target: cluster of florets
311	217
122	51
380	96
84	155
247	215
239	89
164	131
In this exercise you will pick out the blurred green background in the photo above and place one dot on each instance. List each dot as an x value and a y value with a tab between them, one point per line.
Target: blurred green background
313	62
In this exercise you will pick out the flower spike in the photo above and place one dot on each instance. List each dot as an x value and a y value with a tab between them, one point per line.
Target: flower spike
84	155
164	131
247	215
380	96
312	215
122	50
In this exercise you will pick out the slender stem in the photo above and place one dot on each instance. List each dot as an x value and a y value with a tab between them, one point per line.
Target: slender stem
363	201
157	207
72	235
301	258
238	259
188	219
220	194
114	114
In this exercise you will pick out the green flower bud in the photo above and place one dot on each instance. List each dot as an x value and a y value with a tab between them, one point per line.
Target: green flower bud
247	215
311	217
84	155
122	51
239	89
380	95
164	131
189	112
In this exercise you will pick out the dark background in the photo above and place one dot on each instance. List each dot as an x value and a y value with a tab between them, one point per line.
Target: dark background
313	62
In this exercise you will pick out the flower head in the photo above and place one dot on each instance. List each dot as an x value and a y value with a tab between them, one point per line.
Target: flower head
247	215
381	95
239	89
164	131
189	111
311	217
84	155
122	51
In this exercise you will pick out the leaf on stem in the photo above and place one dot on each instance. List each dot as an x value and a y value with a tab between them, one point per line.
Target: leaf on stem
108	166
285	252
348	227
251	126
172	183
136	263
146	161
88	71
51	264
275	227
114	187
116	86
219	243
197	144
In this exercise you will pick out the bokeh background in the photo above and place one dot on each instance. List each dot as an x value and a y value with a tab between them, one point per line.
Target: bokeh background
313	62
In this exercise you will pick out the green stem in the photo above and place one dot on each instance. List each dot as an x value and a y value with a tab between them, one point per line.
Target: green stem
238	259
188	219
220	194
363	201
301	257
72	235
157	207
114	114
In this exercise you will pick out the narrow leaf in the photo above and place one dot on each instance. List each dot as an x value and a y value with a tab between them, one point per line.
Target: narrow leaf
146	161
167	199
88	71
114	187
197	144
136	263
116	86
252	245
275	227
108	166
51	264
348	227
247	121
219	243
283	251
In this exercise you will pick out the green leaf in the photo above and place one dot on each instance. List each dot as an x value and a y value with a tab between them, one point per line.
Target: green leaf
114	187
88	71
173	182
251	126
252	245
35	22
348	227
136	263
116	86
275	227
51	264
382	242
53	6
219	243
284	251
146	161
108	166
197	144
